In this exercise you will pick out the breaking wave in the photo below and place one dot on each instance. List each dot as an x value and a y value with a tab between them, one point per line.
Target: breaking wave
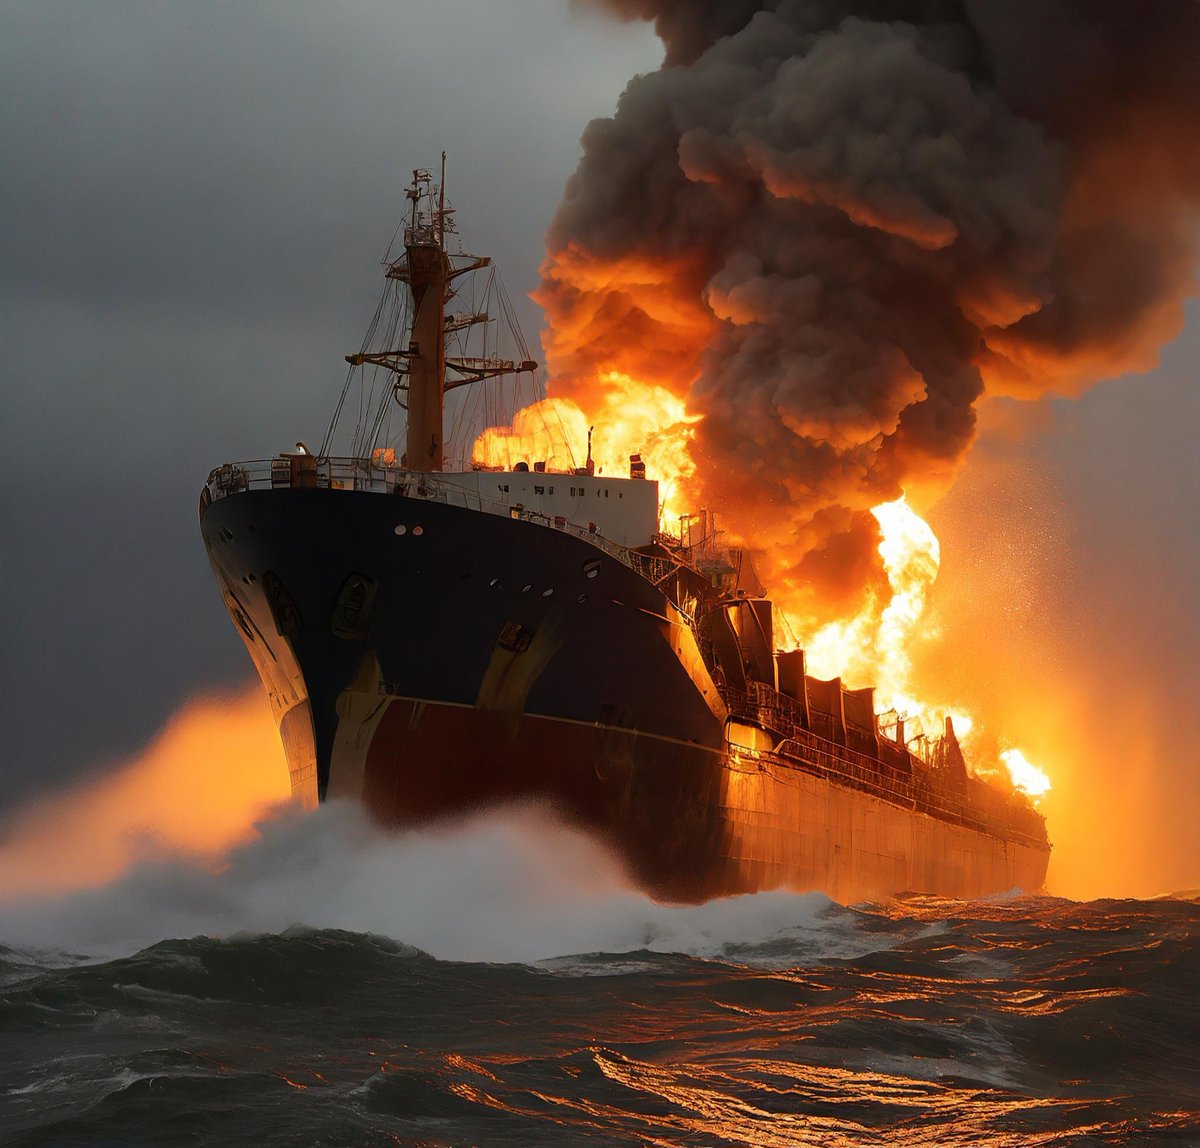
509	886
498	983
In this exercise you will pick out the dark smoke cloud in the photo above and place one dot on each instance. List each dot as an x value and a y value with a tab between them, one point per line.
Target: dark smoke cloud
882	211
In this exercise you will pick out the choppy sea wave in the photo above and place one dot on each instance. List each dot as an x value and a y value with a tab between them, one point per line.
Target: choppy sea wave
499	985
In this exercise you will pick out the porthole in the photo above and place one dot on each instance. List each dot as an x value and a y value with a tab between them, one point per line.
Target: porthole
591	569
402	529
527	587
418	531
581	599
548	592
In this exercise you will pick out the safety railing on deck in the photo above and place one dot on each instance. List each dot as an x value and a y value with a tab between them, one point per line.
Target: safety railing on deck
919	789
308	471
300	470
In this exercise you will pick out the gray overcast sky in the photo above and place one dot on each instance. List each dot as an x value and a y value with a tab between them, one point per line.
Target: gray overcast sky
193	201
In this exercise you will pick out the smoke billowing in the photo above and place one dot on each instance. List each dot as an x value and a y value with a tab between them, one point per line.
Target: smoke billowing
832	227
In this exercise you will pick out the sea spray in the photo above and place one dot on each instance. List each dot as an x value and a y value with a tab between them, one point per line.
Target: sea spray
514	885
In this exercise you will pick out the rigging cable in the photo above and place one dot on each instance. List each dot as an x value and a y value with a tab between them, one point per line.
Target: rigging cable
327	443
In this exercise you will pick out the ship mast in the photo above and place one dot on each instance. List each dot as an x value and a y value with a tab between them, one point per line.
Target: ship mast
429	272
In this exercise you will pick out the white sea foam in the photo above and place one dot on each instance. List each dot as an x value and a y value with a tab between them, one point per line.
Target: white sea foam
511	886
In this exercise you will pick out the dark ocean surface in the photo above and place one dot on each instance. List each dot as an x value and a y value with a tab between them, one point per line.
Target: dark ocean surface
496	985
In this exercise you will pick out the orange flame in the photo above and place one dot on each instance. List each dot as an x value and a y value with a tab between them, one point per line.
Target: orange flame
638	318
874	647
624	345
628	417
871	647
1025	775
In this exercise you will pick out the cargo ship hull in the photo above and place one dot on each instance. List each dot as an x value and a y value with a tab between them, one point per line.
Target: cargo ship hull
431	661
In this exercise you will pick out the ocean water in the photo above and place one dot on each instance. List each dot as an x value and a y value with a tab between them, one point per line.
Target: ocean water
498	984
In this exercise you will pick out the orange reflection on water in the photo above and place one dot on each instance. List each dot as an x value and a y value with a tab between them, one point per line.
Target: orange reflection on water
770	1102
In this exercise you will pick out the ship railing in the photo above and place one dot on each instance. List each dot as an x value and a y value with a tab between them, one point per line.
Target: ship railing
944	804
863	771
949	804
362	474
763	706
654	570
445	489
921	791
324	473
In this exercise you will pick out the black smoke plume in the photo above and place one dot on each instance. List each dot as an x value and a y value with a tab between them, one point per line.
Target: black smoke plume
834	226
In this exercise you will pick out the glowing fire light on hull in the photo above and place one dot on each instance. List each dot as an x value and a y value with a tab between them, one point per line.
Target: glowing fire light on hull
1024	774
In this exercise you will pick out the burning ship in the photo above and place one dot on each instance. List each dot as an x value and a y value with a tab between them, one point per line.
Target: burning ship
435	641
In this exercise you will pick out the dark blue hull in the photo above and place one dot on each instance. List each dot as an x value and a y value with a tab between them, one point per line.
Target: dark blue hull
431	660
